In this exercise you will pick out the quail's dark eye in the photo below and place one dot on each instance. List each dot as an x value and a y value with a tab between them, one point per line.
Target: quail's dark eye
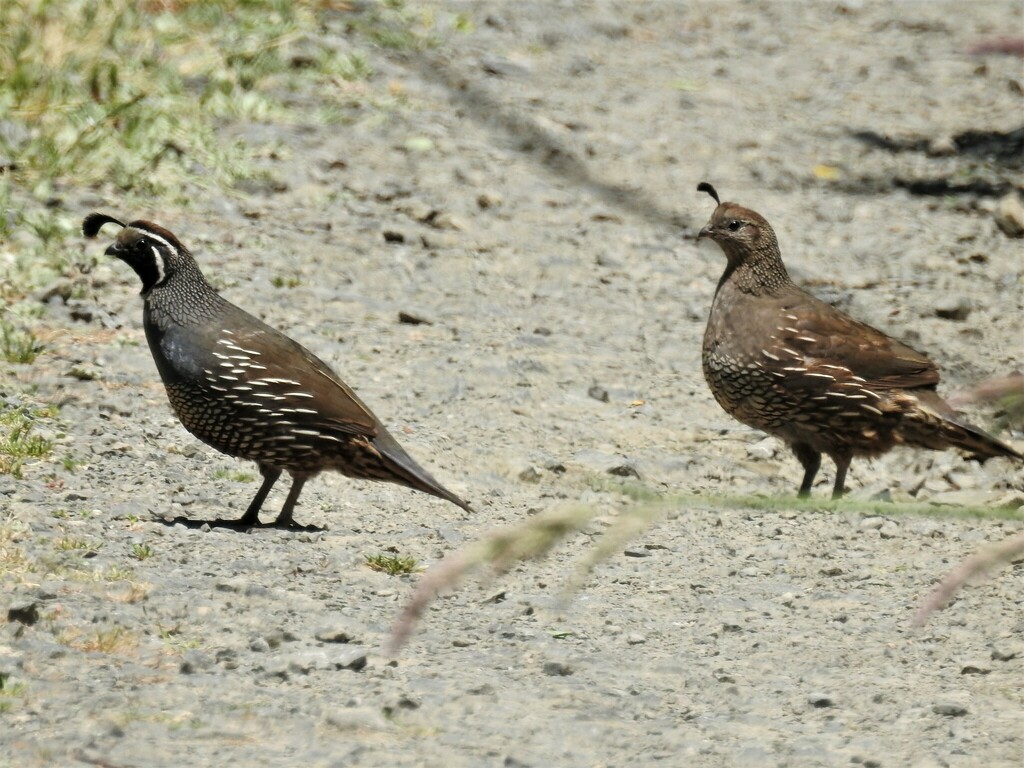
734	225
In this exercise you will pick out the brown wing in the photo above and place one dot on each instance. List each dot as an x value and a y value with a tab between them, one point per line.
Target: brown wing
312	385
825	336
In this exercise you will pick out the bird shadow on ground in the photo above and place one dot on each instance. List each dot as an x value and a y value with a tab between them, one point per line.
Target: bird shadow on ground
236	525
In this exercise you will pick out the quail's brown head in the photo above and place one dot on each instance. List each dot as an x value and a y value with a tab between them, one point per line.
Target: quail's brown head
739	231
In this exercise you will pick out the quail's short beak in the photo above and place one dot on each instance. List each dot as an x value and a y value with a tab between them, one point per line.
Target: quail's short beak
706	231
113	250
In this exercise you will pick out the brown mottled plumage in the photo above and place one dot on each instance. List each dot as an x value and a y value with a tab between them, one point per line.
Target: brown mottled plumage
248	390
778	359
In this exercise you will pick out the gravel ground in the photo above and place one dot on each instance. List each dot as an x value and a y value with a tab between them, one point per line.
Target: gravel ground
534	200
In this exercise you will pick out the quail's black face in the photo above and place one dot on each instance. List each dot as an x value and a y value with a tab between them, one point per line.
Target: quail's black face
152	251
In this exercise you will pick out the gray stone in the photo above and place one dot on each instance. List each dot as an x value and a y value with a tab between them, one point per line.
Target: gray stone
763	449
193	661
339	631
354	659
976	667
357	719
950	708
953	308
505	67
890	529
530	475
1009	215
1007	650
557	668
820	700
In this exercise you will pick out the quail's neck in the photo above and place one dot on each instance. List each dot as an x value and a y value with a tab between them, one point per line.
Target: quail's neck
183	299
758	274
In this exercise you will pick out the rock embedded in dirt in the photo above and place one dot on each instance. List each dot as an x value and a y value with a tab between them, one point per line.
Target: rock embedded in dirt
1009	215
820	700
953	308
950	708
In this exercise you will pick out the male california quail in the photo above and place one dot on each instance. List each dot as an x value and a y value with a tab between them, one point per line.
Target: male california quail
778	359
248	390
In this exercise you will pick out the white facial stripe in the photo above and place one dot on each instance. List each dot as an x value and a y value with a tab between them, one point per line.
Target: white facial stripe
154	236
159	261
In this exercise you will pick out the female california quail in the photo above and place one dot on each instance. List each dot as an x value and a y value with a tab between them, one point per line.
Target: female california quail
778	359
248	390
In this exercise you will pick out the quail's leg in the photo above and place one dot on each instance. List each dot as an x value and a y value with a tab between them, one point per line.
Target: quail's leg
811	461
842	464
284	520
252	514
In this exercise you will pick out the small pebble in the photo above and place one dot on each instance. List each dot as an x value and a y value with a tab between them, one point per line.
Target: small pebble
763	449
354	659
949	708
820	700
635	552
530	475
976	668
1009	216
337	633
889	530
557	669
955	308
1007	651
195	661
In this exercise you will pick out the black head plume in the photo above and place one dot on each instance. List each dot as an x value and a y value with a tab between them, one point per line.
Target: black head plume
94	222
705	187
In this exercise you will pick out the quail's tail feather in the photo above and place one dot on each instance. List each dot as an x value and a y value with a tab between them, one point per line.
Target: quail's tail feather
402	468
934	424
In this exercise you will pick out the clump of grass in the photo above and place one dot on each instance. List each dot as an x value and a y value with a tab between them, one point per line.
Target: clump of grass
16	345
13	560
392	564
142	551
233	475
70	544
17	443
40	255
132	93
282	281
404	27
111	640
9	692
173	638
114	573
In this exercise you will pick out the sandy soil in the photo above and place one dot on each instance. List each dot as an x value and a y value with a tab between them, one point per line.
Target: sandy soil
535	202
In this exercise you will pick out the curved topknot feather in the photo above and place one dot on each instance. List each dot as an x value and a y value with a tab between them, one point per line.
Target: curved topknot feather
94	222
705	187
